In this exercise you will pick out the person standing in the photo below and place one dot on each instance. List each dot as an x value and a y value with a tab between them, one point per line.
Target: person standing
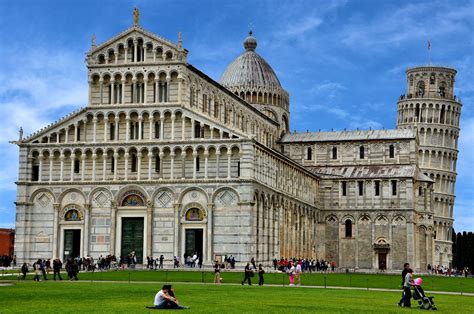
247	275
275	263
260	275
253	263
406	298
24	270
217	273
57	265
162	258
37	268
43	269
291	274
298	271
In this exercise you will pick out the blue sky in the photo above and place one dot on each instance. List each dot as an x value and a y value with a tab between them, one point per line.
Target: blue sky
342	62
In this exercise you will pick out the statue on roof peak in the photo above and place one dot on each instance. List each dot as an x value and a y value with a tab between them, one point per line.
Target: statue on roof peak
136	16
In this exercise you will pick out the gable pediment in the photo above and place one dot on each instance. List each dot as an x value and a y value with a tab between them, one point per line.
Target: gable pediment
135	35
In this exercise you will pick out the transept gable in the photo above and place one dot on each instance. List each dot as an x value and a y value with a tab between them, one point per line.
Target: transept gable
164	49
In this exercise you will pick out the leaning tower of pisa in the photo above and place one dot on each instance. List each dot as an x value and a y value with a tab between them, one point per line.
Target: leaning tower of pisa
431	107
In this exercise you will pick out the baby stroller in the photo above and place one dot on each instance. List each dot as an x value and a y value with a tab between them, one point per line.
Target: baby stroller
425	303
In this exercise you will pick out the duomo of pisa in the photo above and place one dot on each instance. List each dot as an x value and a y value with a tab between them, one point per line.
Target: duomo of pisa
164	160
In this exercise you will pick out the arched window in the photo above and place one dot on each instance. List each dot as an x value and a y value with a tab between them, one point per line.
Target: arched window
112	164
377	188
442	114
198	164
134	163
432	78
420	191
112	131
194	214
348	228
391	151
334	153
442	89
197	130
421	89
361	152
394	187
157	129
309	153
76	166
157	163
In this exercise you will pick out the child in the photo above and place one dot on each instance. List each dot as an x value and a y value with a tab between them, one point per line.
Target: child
260	274
291	274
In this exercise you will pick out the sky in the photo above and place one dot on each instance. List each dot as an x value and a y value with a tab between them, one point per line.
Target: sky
342	62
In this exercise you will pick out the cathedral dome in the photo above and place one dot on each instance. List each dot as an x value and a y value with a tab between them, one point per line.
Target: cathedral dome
250	70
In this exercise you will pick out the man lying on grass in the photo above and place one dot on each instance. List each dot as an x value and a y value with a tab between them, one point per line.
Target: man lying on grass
165	299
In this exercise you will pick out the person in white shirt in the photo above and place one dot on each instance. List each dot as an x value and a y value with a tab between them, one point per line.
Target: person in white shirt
165	299
298	272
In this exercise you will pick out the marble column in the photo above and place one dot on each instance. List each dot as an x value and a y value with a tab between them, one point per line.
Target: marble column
73	157
104	166
126	166
51	158
94	129
87	209
94	158
162	127
206	157
140	120
56	209
172	155
195	155
61	169
117	122
173	117
150	158
210	229
139	165
127	128
116	156
113	226
106	122
83	166
149	216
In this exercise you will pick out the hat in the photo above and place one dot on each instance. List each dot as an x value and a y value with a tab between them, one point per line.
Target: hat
418	281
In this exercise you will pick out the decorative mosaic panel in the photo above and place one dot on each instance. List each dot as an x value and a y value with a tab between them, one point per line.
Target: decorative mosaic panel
43	200
163	199
226	198
101	199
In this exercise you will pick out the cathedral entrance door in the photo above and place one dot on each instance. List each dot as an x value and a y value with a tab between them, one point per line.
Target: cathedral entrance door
382	261
193	242
132	237
72	243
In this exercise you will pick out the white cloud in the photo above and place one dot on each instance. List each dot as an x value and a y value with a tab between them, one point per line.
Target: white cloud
327	89
38	87
301	27
392	27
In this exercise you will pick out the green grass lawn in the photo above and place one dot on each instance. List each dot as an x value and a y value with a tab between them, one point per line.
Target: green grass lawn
43	297
432	283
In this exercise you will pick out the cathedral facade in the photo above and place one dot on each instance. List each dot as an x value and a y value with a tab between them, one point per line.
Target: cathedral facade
164	160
